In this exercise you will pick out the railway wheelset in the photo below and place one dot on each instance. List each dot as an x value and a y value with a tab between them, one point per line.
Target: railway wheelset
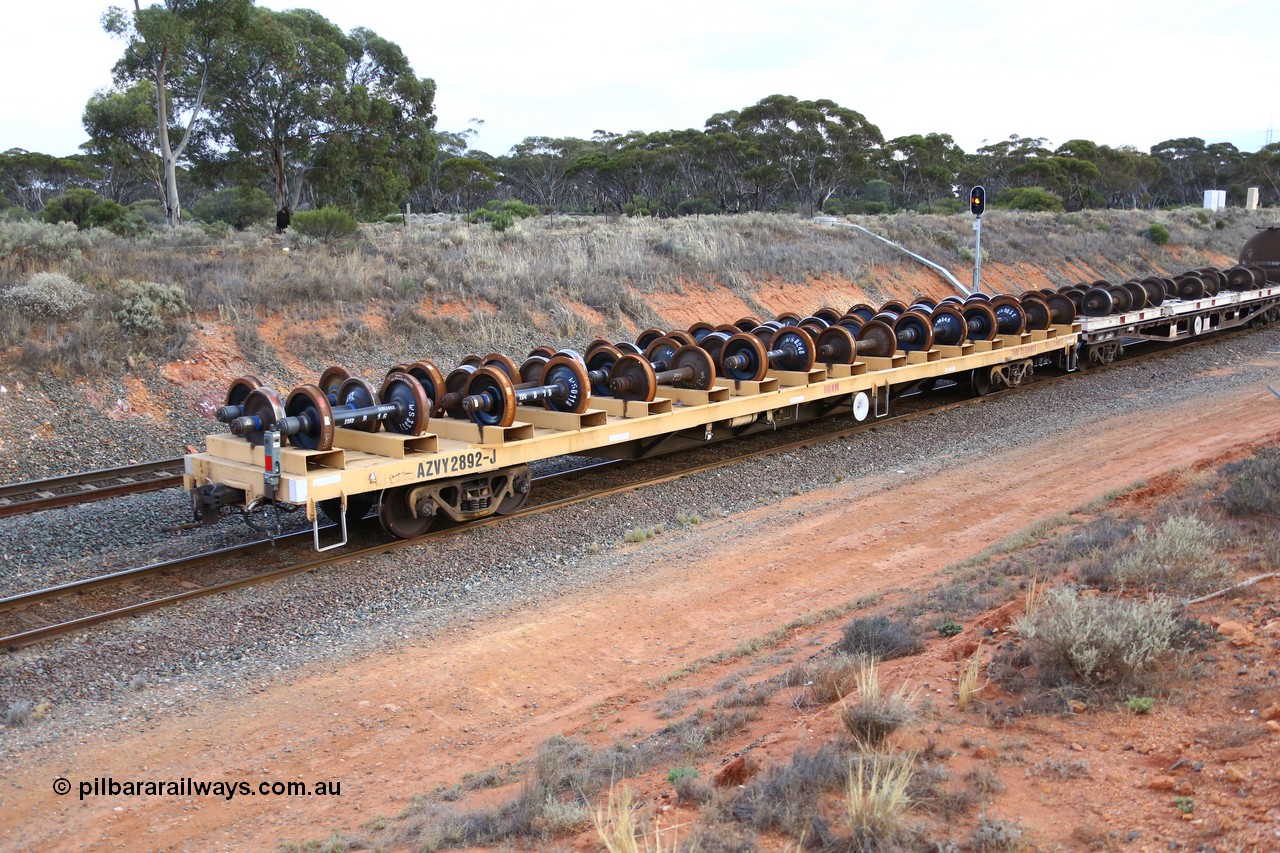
493	390
488	390
459	443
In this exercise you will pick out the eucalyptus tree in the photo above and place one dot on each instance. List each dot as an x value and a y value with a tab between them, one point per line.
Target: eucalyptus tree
818	145
122	133
1262	168
540	169
1069	177
1125	176
737	170
385	143
1184	161
610	169
993	165
309	103
28	178
924	167
176	45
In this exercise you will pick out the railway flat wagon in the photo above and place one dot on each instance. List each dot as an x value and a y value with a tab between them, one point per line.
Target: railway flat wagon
460	445
466	470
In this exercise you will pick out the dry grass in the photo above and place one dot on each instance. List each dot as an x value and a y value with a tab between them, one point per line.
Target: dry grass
876	800
621	828
825	681
521	287
875	715
968	684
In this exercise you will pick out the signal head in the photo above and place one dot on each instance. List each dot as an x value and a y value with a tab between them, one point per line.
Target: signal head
977	201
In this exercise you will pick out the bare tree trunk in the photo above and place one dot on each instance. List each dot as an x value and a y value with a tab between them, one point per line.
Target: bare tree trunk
168	155
172	208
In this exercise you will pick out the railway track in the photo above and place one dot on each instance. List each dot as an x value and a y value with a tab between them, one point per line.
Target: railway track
85	487
22	623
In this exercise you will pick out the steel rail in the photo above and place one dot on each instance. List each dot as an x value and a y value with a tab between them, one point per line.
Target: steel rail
36	495
79	587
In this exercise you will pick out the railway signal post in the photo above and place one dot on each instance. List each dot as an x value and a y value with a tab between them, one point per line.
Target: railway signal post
977	204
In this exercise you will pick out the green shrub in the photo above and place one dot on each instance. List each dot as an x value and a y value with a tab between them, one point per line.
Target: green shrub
327	224
675	774
950	628
238	207
1102	639
147	307
86	209
1028	198
1157	233
1140	704
116	218
696	206
1178	556
501	215
47	296
150	211
72	206
940	205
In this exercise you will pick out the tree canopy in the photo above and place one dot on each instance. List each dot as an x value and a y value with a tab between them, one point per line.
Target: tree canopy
225	100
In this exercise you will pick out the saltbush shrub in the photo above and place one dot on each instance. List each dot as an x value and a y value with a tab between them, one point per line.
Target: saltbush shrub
327	224
1178	556
148	307
48	296
40	241
1255	485
1102	639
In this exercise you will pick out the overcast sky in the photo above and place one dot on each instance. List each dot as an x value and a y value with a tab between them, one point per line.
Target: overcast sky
1120	72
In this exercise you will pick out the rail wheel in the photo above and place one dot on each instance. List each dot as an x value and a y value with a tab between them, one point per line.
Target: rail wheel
980	381
521	486
402	520
358	507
